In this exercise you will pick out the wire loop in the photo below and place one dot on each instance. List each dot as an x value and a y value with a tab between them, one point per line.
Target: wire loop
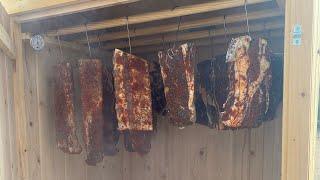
128	32
247	19
88	41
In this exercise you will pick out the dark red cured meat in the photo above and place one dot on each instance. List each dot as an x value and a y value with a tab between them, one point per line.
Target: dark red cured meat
66	129
92	102
132	91
276	88
211	91
157	88
177	69
249	83
137	141
110	131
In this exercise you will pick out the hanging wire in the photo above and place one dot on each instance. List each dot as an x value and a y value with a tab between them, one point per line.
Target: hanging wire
247	19
177	33
128	32
88	41
60	45
225	29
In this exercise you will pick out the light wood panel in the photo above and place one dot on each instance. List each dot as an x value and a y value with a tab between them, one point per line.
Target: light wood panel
212	21
301	90
65	9
6	44
152	16
196	152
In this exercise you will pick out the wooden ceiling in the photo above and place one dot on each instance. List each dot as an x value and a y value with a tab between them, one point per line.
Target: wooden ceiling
153	22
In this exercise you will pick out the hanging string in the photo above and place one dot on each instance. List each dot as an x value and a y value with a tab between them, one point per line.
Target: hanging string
128	32
247	19
177	33
225	29
88	41
60	45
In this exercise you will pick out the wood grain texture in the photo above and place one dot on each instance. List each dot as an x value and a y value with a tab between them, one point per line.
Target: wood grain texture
196	152
301	93
153	16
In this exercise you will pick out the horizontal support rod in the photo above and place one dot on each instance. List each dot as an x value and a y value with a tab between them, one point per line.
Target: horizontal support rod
276	24
239	17
221	41
153	16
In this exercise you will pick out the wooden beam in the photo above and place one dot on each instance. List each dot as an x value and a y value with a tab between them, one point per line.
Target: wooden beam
301	90
22	6
216	41
69	9
213	21
6	44
20	109
153	16
277	24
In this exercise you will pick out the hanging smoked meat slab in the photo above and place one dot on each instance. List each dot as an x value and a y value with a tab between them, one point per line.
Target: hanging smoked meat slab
66	128
133	92
276	86
137	141
92	108
157	88
110	132
133	100
177	69
249	83
211	91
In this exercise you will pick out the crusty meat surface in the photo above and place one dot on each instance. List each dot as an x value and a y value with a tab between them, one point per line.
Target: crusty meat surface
66	136
177	69
92	108
249	83
132	91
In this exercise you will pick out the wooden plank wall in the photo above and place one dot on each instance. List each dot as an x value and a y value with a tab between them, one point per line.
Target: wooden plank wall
8	151
190	154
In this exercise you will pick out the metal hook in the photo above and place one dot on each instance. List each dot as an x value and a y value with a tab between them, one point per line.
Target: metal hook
88	40
247	19
59	45
128	32
177	33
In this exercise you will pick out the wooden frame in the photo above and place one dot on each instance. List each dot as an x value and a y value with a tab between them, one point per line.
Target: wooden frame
301	77
301	87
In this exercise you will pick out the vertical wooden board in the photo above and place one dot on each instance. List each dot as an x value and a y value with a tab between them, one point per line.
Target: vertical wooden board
5	170
33	148
256	151
216	152
241	154
268	152
300	91
11	121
